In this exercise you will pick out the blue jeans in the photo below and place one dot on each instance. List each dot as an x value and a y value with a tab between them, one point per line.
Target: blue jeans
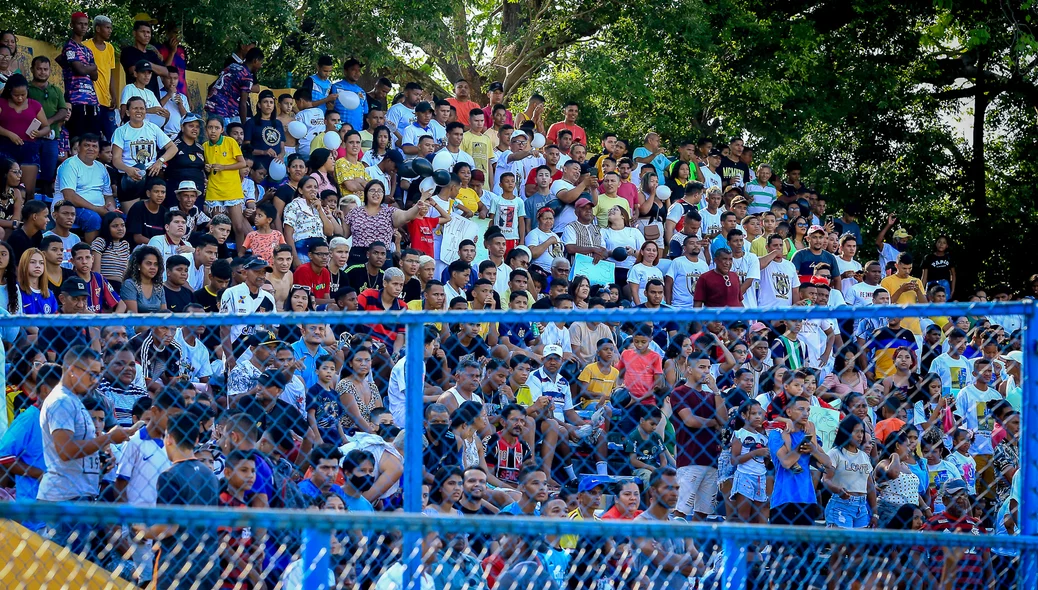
48	159
303	251
108	122
852	513
87	220
943	283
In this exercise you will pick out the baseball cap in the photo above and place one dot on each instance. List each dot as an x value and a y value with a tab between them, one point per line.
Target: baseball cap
478	176
1014	355
740	200
517	134
74	287
815	229
256	263
495	86
102	20
191	118
144	16
590	482
757	327
738	324
187	185
142	65
395	156
583	202
902	234
954	486
715	152
423	107
553	349
271	378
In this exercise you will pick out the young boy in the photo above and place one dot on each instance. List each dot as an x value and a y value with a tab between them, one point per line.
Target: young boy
466	344
323	408
310	116
263	240
508	210
645	446
519	337
286	114
599	378
960	457
239	555
641	369
64	219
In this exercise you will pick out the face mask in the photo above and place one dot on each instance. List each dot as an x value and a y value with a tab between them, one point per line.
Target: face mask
338	126
363	483
438	432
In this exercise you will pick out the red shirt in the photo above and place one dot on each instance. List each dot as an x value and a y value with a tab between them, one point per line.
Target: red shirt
320	284
640	372
712	291
579	136
422	232
371	300
969	571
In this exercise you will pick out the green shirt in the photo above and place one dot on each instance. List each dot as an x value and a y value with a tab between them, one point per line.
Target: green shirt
52	99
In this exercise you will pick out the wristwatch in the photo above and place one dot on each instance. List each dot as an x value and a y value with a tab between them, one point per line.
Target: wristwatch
162	160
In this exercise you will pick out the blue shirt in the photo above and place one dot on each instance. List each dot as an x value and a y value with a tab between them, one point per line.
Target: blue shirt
24	440
354	117
515	510
309	371
358	504
319	90
660	162
310	490
790	488
34	303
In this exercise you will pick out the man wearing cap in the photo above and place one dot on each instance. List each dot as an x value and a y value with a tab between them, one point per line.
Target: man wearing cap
140	88
496	96
54	340
414	131
84	182
141	50
960	567
888	252
105	85
583	236
244	298
402	114
709	170
242	378
807	259
589	499
519	159
79	72
351	71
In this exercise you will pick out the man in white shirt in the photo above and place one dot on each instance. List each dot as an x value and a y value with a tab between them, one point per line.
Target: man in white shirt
951	366
567	190
779	281
861	293
402	114
746	265
679	284
143	72
398	380
452	154
84	182
413	132
973	407
242	299
172	242
519	159
176	104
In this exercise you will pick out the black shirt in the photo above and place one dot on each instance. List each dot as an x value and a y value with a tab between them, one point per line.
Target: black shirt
412	290
282	413
177	301
338	280
187	164
357	277
186	555
730	168
141	222
938	267
20	242
130	55
457	351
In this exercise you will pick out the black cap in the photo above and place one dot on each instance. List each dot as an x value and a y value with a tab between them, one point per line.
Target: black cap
495	86
74	287
271	378
395	156
142	65
256	263
423	107
715	152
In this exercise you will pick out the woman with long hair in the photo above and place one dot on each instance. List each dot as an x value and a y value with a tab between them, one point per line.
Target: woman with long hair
322	169
680	175
350	172
855	404
851	481
846	376
904	382
284	194
34	290
798	239
18	132
896	482
676	362
381	140
580	291
644	270
620	234
304	219
264	134
111	250
10	298
652	210
376	221
357	393
11	197
142	283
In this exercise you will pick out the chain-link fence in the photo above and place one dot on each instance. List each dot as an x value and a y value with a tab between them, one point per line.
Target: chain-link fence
593	424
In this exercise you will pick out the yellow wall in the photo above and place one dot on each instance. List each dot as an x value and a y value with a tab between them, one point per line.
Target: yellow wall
197	82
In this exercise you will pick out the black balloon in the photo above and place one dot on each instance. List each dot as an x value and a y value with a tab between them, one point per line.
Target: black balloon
422	166
619	253
442	177
406	171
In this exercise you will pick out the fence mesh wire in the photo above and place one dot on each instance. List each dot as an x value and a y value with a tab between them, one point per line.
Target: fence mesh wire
908	421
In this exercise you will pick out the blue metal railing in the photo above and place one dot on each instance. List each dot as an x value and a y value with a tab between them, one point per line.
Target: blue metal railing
733	537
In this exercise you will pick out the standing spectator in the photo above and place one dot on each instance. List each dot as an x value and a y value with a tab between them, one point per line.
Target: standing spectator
571	111
175	103
22	123
84	183
351	72
135	152
55	112
463	103
719	288
264	133
79	71
700	412
223	160
156	113
174	58
131	56
105	82
905	289
958	567
939	268
228	98
496	96
889	253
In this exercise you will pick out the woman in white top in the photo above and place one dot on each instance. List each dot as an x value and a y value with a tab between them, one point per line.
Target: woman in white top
896	482
620	234
544	244
643	271
652	211
851	481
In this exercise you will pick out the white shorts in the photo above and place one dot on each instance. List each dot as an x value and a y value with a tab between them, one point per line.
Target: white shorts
751	487
697	488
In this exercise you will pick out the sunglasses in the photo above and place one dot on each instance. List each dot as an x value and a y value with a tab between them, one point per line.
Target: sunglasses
303	287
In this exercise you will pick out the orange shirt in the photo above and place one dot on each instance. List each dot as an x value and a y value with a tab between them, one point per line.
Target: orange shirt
579	135
463	109
641	371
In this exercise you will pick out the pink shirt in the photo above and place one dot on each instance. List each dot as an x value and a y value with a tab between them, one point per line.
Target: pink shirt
629	192
16	122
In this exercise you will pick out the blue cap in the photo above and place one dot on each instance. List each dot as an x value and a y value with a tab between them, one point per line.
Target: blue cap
590	482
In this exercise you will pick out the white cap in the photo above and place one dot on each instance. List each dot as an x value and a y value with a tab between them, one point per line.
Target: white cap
518	133
553	349
1014	355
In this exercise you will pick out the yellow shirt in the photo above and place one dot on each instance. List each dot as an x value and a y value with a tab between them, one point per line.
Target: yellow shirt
605	203
908	297
481	148
599	383
344	171
759	247
105	61
418	305
523	397
226	184
469	199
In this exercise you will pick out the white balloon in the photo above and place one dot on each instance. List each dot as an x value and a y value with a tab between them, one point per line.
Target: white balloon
332	140
297	129
277	170
349	100
538	141
663	191
428	184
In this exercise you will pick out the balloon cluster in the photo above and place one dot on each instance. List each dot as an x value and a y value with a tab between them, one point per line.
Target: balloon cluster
421	167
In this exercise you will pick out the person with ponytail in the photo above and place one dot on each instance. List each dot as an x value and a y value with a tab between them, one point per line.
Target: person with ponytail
750	455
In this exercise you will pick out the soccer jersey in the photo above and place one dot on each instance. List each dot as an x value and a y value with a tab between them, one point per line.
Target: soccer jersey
224	185
78	89
226	91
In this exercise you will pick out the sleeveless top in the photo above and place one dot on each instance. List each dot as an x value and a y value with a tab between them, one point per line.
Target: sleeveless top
346	386
903	490
16	122
469	454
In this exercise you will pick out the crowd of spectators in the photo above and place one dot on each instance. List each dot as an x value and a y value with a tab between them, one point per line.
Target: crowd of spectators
336	198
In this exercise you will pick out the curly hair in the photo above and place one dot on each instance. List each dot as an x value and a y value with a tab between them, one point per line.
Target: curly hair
133	267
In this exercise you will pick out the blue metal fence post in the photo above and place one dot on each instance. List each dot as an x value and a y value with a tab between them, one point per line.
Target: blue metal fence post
734	567
317	564
1029	435
414	378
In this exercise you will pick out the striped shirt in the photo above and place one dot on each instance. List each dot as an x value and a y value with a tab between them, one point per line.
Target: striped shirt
114	258
761	197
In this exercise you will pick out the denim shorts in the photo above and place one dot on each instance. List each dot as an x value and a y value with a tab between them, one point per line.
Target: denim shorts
751	487
87	220
852	513
725	469
27	154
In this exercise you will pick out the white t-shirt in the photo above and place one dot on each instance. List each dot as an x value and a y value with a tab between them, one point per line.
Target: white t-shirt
399	116
640	275
90	182
711	221
777	281
140	145
861	293
847	266
313	118
445	160
507	213
142	461
172	126
751	441
239	300
131	91
626	237
521	169
685	273
955	374
568	213
710	178
972	405
412	133
536	237
748	267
